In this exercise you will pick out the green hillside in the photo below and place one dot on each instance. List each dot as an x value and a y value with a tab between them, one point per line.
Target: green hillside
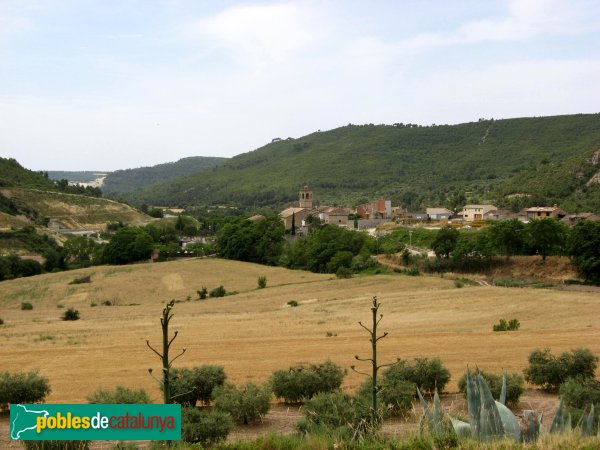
565	183
122	181
13	174
412	166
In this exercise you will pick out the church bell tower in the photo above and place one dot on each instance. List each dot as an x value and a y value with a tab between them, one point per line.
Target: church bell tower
306	197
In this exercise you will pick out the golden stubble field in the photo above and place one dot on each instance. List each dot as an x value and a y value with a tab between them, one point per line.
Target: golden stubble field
255	332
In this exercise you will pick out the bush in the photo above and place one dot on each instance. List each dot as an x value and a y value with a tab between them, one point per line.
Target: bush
70	314
303	382
514	386
338	414
343	272
189	386
26	306
329	409
56	445
262	282
549	371
81	280
246	405
580	392
202	293
218	292
511	325
119	395
24	387
426	374
204	428
1	322
394	395
293	303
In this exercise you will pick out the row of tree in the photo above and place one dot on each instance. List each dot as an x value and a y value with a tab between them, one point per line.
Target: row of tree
513	237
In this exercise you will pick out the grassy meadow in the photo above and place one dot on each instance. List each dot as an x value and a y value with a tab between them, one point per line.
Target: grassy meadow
255	331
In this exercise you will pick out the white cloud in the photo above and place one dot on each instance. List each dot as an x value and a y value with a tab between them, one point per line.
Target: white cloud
256	35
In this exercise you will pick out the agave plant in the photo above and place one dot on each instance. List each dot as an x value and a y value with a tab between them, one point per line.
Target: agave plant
488	419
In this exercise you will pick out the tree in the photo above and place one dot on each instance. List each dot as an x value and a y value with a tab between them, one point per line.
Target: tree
79	249
260	242
373	359
583	246
545	236
507	236
445	242
128	245
316	252
167	363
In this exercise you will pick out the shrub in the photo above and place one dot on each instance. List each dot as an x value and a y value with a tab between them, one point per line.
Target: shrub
204	428
330	409
303	382
262	282
293	303
426	374
24	387
514	386
395	395
343	272
1	322
70	314
119	395
107	303
189	386
337	414
549	371
81	280
580	392
26	306
511	325
56	445
218	292
413	271
246	405
202	293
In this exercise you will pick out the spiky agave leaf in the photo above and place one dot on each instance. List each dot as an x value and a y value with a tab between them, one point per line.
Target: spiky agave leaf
438	414
503	392
509	422
473	403
558	423
426	411
462	429
490	424
588	425
531	426
568	426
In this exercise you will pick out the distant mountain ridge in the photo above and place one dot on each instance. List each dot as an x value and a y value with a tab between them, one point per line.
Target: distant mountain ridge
414	166
123	181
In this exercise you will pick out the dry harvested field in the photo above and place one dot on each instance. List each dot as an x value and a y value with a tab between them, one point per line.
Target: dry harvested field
255	332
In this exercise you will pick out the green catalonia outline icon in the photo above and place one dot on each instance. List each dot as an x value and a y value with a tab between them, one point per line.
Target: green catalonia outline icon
16	435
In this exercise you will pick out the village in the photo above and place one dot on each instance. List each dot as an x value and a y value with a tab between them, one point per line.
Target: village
307	212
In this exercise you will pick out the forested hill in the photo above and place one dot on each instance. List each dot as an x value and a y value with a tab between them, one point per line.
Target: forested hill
12	174
122	181
414	166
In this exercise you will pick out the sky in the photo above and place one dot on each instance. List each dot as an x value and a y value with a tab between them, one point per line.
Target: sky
115	84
